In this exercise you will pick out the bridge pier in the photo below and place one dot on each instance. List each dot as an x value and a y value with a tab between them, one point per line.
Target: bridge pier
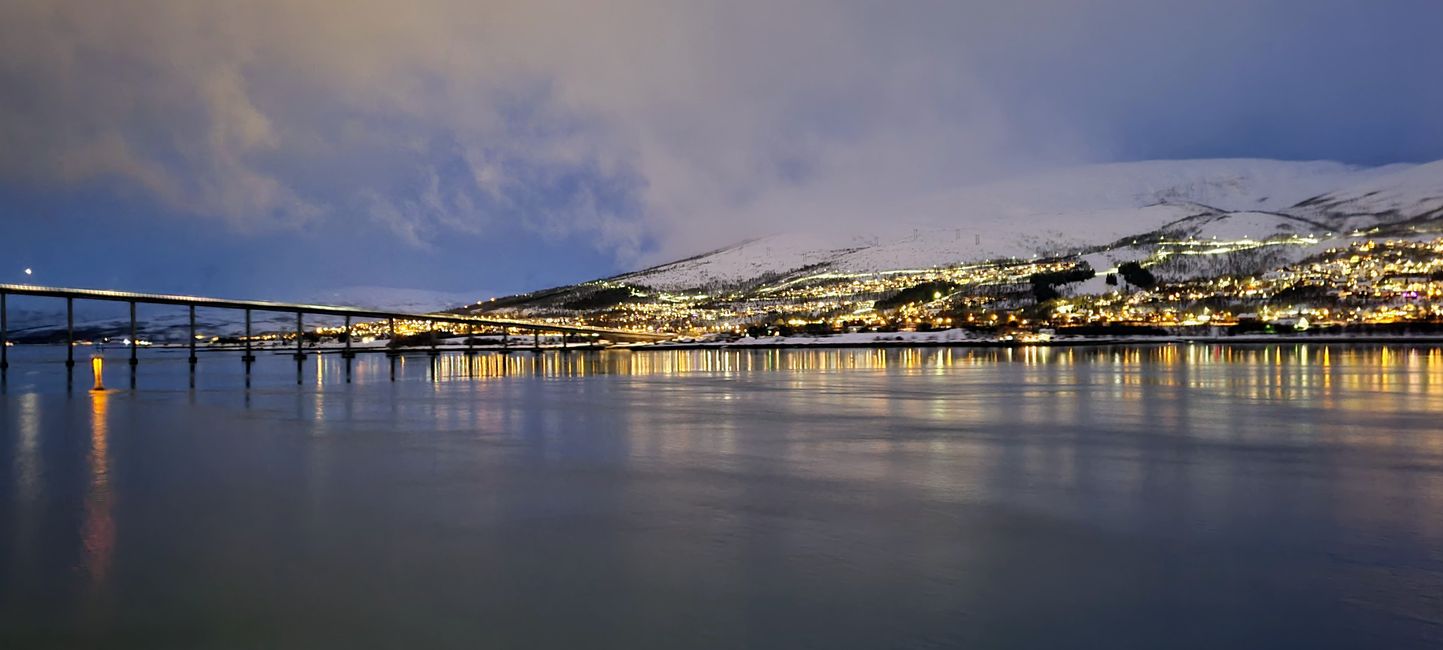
4	333
300	337
300	353
134	344
193	359
69	333
247	357
346	353
391	345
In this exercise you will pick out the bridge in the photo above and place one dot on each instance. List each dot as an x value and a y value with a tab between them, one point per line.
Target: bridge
507	326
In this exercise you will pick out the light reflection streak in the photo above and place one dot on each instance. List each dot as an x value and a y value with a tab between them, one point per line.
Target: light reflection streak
98	531
1168	390
1278	372
1168	383
27	457
28	473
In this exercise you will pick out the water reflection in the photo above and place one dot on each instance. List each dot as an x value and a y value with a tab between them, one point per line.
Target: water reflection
27	456
942	496
98	530
1276	371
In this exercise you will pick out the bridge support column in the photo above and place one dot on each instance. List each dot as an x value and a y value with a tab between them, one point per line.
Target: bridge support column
248	357
347	353
431	328
300	337
193	359
134	341
69	332
191	343
505	340
69	343
4	333
536	341
391	349
300	354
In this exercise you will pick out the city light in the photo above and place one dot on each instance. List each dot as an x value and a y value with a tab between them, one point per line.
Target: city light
1357	281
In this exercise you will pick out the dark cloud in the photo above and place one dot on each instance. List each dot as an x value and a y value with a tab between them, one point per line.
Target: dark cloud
657	128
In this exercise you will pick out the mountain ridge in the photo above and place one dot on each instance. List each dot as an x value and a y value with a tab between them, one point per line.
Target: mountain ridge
1017	244
1133	199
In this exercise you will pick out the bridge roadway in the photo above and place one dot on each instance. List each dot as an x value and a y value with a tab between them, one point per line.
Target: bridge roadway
248	306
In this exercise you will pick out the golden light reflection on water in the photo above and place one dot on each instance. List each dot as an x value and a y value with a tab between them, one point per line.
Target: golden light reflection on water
1184	433
1166	384
98	531
1276	371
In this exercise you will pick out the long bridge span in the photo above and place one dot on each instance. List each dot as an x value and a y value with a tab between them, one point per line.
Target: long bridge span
70	295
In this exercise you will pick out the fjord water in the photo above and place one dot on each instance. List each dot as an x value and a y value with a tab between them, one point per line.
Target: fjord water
1169	496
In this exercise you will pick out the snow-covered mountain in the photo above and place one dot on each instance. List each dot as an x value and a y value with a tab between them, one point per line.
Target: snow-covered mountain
1405	193
1080	210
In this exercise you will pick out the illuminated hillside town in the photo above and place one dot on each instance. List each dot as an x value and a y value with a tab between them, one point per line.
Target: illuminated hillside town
1360	287
1368	285
1367	282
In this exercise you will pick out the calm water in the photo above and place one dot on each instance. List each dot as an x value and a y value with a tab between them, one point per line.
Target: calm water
1178	496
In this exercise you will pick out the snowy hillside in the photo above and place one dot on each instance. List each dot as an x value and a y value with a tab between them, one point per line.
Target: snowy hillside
1076	210
1406	193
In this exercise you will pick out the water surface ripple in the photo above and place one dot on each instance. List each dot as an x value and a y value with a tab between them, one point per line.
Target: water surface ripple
1181	496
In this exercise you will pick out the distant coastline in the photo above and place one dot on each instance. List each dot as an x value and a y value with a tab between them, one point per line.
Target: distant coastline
804	343
1067	342
820	342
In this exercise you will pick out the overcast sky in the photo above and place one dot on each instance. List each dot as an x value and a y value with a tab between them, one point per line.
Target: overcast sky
274	148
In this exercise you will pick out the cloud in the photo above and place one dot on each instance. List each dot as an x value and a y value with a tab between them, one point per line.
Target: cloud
655	127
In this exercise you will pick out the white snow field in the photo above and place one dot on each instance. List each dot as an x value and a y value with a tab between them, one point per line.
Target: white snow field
1069	211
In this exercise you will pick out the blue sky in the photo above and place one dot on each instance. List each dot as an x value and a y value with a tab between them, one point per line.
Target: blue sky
280	148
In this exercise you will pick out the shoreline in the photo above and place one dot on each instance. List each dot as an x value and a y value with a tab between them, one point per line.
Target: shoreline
1071	342
798	343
